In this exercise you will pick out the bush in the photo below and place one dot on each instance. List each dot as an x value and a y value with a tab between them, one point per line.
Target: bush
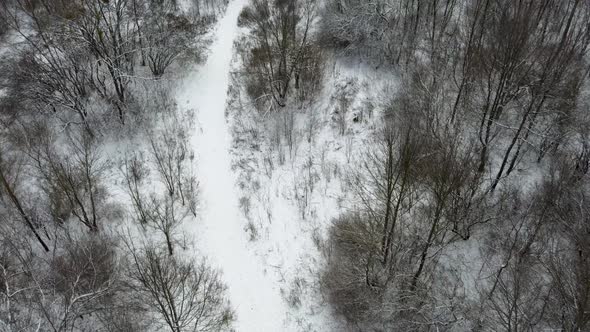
372	296
80	283
350	278
87	265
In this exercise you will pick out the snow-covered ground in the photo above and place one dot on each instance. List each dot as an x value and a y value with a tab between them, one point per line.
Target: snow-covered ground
271	255
290	196
219	231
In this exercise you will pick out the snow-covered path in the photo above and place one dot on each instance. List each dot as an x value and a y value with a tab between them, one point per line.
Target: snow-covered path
219	233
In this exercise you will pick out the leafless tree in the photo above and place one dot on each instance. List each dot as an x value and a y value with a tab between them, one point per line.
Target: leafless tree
536	52
172	163
568	248
173	159
83	275
16	303
282	45
63	291
166	216
186	296
135	173
3	29
418	190
166	33
390	31
71	177
108	31
8	189
209	7
163	213
52	74
385	187
514	290
535	272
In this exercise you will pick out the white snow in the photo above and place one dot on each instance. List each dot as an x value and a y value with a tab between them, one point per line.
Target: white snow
219	231
291	204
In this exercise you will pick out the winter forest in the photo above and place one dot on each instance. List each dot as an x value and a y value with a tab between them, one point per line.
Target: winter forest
294	165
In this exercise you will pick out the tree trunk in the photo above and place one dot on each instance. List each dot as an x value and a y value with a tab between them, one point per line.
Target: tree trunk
21	211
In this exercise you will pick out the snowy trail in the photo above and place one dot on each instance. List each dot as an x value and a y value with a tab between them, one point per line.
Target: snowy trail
219	234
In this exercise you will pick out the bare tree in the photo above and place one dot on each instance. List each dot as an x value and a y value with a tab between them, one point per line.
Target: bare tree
535	273
9	191
418	190
173	159
166	33
390	31
17	256
73	182
281	31
185	295
172	162
385	186
53	74
61	292
108	30
3	29
135	173
163	213
166	216
568	247
83	275
514	294
533	57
